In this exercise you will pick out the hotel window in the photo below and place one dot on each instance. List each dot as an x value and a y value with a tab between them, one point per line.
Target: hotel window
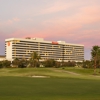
17	40
59	47
38	43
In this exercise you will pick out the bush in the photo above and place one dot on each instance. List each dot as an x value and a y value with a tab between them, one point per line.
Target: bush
22	64
49	63
69	64
1	64
6	64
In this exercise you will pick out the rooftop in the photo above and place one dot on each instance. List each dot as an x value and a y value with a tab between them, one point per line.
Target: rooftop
41	40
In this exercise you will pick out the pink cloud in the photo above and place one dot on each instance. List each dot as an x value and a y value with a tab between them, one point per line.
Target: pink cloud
58	6
28	33
90	14
9	22
16	19
86	15
53	8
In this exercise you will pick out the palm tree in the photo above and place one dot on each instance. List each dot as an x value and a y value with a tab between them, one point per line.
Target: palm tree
95	53
34	60
15	62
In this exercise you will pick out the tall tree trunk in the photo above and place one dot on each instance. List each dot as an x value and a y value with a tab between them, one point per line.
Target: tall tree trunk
95	66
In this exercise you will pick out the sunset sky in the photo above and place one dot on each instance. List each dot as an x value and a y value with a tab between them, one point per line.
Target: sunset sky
73	21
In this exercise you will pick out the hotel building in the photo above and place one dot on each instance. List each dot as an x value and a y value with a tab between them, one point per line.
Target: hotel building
59	51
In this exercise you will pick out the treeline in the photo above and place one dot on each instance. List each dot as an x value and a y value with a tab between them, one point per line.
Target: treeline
16	63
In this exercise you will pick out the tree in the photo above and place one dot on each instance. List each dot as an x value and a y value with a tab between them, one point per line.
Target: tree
20	63
95	53
87	64
15	62
34	60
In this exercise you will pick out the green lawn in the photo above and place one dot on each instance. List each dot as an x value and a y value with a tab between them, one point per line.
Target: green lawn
17	84
83	71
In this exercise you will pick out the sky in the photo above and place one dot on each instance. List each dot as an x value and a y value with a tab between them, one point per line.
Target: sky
72	21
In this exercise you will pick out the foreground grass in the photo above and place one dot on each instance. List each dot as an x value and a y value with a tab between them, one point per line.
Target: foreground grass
60	84
24	88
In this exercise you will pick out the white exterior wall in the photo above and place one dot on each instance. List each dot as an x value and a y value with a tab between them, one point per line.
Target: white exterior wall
9	51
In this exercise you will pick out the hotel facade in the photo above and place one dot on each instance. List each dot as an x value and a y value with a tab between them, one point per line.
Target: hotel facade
59	51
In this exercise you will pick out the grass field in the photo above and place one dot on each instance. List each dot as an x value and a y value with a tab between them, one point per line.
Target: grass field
60	84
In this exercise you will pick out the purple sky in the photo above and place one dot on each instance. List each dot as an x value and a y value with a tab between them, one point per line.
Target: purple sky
73	21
